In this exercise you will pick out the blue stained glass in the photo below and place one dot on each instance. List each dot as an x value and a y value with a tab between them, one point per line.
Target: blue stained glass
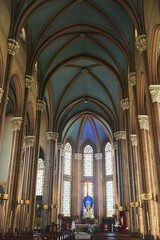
108	159
67	159
66	196
109	198
90	193
88	161
40	178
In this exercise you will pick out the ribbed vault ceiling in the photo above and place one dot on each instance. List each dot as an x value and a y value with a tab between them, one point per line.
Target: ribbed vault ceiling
84	50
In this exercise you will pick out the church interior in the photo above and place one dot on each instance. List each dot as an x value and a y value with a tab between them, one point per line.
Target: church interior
80	116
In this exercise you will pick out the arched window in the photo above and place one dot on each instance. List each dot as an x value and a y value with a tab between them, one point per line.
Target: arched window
40	178
88	172
88	161
109	182
67	172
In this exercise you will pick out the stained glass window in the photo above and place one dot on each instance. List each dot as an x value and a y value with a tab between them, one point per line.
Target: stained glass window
66	202
88	161
108	159
90	193
109	198
67	159
40	178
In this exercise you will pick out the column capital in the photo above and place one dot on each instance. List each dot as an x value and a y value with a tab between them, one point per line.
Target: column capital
40	105
29	141
141	42
155	93
78	156
51	136
13	46
60	146
120	135
133	138
16	123
125	104
98	156
132	78
143	122
114	146
1	93
28	81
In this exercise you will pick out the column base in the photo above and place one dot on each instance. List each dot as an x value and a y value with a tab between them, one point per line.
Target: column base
150	237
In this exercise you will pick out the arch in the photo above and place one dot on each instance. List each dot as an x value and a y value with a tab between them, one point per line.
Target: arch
1	69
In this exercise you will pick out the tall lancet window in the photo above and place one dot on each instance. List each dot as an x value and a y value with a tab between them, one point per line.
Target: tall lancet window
67	173
88	177
109	180
40	178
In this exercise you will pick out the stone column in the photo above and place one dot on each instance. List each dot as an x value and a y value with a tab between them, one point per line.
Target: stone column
50	191
26	182
77	185
59	179
124	197
131	189
99	208
1	94
13	48
31	216
116	177
148	170
11	205
137	202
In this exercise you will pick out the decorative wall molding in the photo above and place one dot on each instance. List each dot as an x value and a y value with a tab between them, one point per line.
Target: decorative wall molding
78	156
125	104
13	46
109	178
16	123
155	93
67	178
141	42
40	105
51	136
132	78
98	156
133	138
1	94
120	135
28	81
29	141
143	122
115	146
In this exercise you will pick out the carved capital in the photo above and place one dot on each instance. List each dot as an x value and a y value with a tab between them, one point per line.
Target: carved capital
29	141
16	123
40	105
78	156
133	140
132	78
98	156
120	135
141	42
28	81
60	146
1	94
51	136
146	196
13	47
125	104
114	146
155	93
143	122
